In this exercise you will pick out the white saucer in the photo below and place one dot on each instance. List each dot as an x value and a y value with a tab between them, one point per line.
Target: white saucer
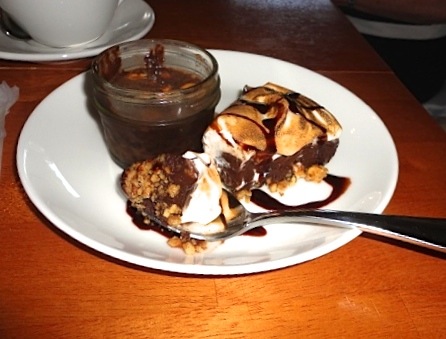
133	20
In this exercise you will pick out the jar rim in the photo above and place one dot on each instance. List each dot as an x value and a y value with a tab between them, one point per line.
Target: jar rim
146	45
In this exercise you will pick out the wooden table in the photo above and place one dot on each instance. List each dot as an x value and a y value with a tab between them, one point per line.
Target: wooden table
53	287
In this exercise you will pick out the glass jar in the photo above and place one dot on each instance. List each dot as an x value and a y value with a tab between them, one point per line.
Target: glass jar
153	97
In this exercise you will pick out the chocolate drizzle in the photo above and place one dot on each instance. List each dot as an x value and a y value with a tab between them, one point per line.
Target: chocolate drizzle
269	125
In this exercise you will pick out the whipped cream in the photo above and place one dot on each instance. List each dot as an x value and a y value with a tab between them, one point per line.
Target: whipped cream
300	193
216	145
204	204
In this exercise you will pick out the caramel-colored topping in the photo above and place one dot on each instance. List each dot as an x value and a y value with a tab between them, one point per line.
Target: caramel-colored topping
189	245
151	188
277	120
243	130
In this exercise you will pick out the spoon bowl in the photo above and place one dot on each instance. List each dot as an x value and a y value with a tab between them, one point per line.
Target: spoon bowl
421	231
11	29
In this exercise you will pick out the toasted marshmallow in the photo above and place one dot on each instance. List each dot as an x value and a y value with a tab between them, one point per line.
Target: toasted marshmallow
203	205
268	130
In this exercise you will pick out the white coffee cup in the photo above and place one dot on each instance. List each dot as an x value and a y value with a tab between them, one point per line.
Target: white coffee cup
62	23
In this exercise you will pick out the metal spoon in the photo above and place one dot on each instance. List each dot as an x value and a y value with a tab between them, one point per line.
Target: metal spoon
11	29
425	232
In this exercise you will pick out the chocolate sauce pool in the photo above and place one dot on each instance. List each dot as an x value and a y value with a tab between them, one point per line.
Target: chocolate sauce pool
339	186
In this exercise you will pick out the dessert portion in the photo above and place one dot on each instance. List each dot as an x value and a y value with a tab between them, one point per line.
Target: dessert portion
184	191
174	189
271	137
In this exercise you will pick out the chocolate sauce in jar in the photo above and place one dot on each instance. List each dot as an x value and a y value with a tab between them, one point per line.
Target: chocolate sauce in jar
154	76
153	97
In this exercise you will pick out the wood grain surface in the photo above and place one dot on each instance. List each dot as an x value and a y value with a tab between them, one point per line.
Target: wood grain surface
54	287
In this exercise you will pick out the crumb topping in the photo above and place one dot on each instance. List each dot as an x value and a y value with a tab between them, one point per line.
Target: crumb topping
189	245
160	186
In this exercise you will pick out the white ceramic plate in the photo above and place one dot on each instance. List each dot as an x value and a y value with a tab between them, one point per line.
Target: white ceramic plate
133	19
66	171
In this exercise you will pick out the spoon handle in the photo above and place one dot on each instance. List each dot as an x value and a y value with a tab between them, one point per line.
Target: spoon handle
421	231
